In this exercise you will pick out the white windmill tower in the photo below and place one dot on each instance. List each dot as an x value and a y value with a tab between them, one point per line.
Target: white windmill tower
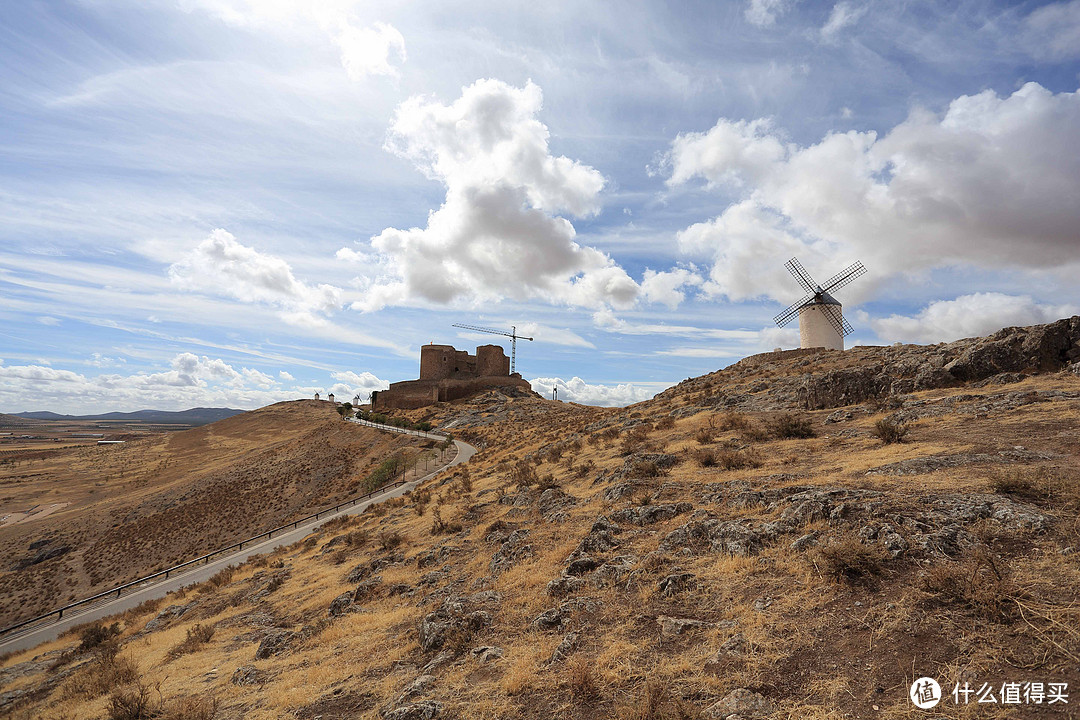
821	318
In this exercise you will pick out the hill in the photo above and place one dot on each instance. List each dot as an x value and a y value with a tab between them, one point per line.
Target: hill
800	535
194	416
108	514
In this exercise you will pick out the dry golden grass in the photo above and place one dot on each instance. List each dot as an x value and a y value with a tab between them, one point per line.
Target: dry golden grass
821	630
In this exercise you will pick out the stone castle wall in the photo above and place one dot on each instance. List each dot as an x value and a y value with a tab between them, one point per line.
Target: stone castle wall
447	373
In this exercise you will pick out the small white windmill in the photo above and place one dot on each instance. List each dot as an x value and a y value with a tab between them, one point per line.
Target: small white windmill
821	317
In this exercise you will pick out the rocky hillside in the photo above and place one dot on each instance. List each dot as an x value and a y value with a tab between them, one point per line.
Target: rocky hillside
800	535
118	512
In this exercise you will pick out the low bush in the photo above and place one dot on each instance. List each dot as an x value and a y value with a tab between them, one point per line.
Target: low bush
975	581
581	682
390	539
889	431
737	459
197	636
789	426
848	559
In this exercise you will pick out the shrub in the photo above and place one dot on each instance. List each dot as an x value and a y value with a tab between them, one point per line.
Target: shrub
704	436
974	581
889	431
706	457
582	683
222	577
633	439
848	559
643	469
737	459
792	426
523	474
465	484
96	635
584	469
390	539
133	704
111	671
440	526
734	421
197	636
665	423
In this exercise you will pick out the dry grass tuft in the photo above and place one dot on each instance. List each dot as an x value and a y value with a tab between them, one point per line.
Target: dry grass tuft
197	636
847	559
890	431
975	581
582	683
787	426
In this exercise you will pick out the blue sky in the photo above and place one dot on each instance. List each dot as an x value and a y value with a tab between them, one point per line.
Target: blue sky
232	202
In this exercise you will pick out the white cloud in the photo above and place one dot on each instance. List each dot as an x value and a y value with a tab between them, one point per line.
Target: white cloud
578	391
498	233
287	377
972	315
220	265
844	14
731	152
987	184
364	50
191	381
1052	32
101	361
368	51
763	13
48	320
666	287
351	383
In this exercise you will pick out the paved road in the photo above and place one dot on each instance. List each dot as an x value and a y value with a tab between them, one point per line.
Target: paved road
156	589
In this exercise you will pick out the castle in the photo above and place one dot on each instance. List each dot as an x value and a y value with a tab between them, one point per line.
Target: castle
448	374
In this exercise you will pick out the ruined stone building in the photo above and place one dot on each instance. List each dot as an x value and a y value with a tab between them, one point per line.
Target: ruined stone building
448	374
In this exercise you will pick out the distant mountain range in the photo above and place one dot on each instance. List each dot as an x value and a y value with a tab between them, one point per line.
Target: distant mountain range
194	416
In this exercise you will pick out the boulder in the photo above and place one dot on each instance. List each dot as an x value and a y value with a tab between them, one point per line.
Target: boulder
741	702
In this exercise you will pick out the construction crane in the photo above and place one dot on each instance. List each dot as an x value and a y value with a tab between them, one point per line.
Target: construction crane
512	335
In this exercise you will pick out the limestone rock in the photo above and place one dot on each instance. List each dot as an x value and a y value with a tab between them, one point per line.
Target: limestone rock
673	627
742	702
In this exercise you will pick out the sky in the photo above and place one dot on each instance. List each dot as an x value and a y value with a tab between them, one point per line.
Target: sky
236	202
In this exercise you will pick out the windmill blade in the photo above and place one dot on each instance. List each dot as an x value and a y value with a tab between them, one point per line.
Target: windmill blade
795	268
836	319
785	317
843	278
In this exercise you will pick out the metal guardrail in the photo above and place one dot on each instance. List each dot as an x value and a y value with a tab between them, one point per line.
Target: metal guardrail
268	535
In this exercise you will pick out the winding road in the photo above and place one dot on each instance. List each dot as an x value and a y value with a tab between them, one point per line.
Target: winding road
21	640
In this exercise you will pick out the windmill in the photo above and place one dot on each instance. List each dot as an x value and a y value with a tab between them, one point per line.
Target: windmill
821	319
512	335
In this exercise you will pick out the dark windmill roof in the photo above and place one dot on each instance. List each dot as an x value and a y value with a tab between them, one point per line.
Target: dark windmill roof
823	298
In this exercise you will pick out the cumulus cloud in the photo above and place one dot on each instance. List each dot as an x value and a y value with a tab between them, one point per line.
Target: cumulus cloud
577	390
667	287
498	233
844	14
190	381
986	183
1052	32
353	383
763	13
374	49
221	265
968	316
